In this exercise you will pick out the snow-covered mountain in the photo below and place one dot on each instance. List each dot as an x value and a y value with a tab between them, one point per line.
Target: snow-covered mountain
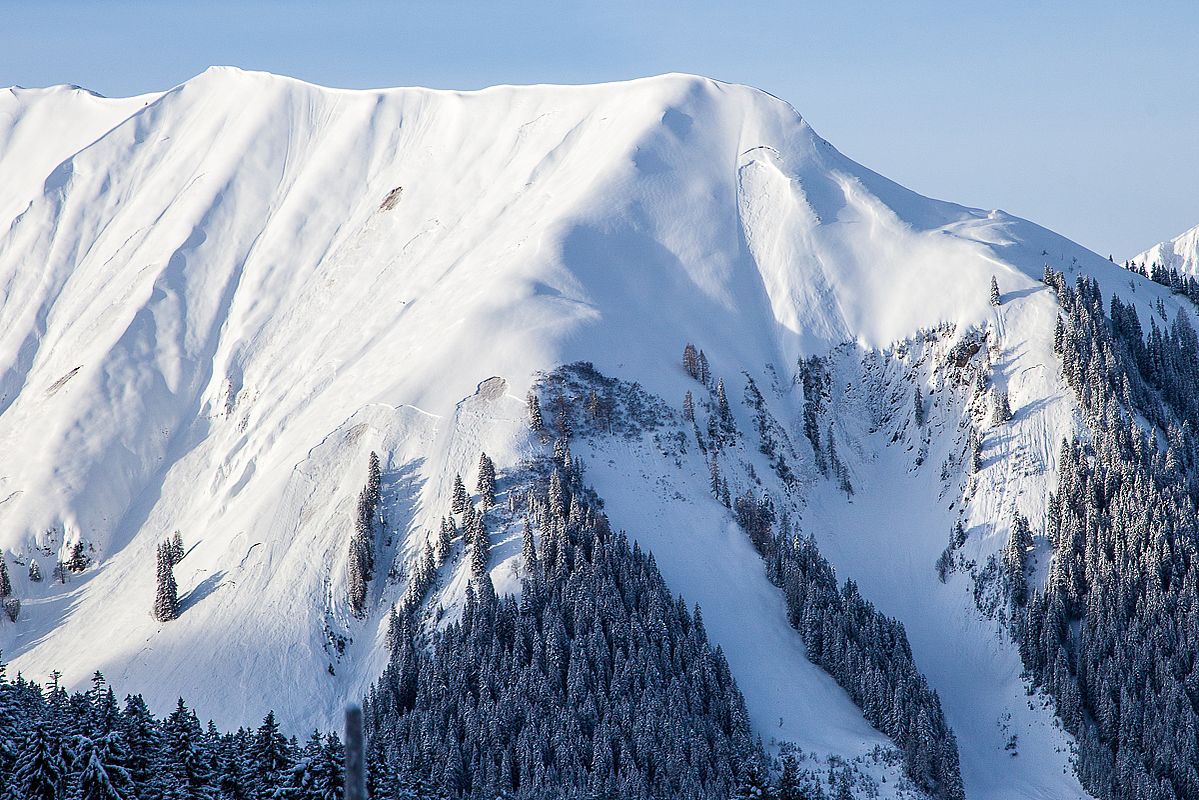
219	299
1180	254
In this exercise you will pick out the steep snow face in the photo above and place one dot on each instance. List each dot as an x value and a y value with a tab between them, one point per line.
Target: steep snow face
1180	254
219	299
41	128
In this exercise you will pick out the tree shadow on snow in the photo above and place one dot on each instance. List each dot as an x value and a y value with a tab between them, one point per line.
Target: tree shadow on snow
202	590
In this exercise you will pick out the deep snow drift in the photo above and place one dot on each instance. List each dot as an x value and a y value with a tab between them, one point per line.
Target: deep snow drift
219	299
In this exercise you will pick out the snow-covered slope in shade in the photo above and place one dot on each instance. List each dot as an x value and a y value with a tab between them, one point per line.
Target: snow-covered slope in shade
217	300
1180	254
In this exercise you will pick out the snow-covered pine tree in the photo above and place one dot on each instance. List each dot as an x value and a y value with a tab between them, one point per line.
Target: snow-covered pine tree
35	570
839	471
480	548
5	583
536	423
994	291
528	550
1015	559
975	447
360	564
40	772
78	560
485	485
691	361
557	495
918	405
166	596
445	537
188	765
1002	409
459	499
104	775
270	758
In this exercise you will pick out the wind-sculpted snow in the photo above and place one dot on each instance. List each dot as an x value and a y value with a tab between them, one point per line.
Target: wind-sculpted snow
1180	254
217	300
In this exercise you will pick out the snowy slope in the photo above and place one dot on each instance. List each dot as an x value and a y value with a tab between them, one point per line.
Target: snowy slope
1180	254
219	299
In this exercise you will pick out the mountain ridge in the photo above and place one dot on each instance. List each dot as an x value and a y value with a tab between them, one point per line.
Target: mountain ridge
246	285
1180	254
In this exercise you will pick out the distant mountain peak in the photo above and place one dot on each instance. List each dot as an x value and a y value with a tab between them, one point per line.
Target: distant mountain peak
1180	254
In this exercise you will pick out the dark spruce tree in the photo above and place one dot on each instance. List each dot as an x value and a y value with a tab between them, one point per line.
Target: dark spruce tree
166	596
485	485
360	566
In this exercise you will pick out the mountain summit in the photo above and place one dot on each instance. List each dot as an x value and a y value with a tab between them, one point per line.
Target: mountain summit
1180	254
219	300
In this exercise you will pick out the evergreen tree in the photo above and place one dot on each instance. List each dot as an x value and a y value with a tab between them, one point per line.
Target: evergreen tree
142	734
789	785
480	548
994	291
691	361
839	470
5	583
35	571
722	407
177	549
184	759
536	423
41	771
1002	412
1015	559
460	499
104	775
328	781
485	485
79	560
528	550
271	759
166	598
360	564
705	373
918	405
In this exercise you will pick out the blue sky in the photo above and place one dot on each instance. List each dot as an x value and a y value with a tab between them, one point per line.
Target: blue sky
1081	116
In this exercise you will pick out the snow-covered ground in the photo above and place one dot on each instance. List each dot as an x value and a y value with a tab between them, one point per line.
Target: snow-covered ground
217	300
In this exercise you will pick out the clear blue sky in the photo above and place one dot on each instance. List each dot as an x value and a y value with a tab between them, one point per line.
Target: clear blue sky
1083	116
